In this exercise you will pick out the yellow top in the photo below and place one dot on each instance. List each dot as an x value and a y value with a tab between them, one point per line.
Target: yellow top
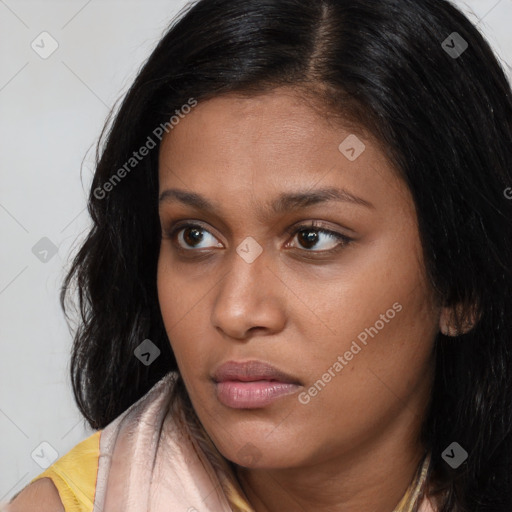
74	475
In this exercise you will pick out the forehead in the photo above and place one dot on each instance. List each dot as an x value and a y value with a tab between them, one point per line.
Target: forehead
278	124
264	145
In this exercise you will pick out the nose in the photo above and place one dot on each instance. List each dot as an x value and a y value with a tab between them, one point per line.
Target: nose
250	299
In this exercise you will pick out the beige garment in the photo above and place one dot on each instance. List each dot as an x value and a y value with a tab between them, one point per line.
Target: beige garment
148	463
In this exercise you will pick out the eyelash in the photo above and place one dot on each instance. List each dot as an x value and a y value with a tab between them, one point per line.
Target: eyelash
314	226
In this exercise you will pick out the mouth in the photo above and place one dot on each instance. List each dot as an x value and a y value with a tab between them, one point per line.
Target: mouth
252	384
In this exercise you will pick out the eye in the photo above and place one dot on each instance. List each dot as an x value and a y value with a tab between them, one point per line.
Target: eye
312	235
191	236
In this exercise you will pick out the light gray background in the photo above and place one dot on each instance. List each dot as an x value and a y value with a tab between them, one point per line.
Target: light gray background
51	114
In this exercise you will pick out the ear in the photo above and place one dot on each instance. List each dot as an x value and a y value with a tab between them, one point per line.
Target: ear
458	320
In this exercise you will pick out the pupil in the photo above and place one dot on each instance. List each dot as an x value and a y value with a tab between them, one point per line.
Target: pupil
311	238
197	237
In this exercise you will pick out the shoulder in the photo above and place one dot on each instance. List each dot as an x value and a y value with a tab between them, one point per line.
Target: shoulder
39	496
68	484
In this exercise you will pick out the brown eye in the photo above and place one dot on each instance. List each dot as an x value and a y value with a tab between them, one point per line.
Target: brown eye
310	237
190	236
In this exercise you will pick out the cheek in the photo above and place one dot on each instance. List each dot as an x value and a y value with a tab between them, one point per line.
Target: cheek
379	300
179	297
174	308
357	388
182	305
381	323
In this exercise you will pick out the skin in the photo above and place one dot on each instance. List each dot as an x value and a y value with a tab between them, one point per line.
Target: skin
355	445
39	496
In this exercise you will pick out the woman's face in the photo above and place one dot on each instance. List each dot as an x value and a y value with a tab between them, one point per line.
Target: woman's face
349	320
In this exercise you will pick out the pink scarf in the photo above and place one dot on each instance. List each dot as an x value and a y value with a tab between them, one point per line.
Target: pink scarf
149	462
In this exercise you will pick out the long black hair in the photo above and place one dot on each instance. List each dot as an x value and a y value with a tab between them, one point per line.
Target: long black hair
421	78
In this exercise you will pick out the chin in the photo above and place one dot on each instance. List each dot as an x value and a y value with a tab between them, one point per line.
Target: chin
252	454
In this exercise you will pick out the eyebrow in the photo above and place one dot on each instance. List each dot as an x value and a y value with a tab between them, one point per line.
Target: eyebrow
284	202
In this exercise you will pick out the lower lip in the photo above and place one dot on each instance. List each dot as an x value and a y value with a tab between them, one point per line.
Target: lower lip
252	395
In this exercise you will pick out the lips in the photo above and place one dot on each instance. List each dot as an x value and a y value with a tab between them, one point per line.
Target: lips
251	371
252	384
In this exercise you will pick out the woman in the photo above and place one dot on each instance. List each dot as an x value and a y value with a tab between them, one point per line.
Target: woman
296	294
